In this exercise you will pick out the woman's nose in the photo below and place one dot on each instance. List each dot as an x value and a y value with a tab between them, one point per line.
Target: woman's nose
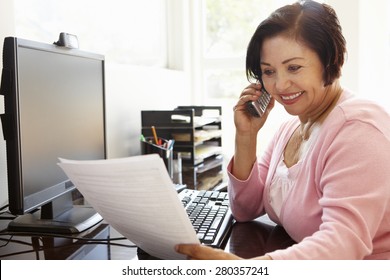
282	82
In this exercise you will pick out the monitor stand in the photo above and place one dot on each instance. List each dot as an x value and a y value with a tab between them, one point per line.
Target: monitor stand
59	216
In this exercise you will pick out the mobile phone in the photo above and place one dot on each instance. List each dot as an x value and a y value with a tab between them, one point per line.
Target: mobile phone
257	108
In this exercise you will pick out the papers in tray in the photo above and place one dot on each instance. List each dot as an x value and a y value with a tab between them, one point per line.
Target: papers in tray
136	196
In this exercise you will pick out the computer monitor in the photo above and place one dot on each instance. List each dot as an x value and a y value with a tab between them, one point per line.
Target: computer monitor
54	107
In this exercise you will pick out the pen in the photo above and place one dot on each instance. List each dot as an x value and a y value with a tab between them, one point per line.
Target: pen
170	144
154	134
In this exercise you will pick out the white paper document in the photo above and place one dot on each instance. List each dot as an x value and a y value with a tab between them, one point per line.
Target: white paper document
136	196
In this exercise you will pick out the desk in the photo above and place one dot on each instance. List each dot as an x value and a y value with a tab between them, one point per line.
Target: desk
246	240
255	238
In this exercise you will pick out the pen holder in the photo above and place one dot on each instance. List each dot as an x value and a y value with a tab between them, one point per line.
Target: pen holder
166	152
177	169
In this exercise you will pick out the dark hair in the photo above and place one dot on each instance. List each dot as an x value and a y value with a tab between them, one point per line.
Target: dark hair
314	24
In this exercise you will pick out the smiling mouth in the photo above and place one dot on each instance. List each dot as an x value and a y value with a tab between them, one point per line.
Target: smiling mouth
292	96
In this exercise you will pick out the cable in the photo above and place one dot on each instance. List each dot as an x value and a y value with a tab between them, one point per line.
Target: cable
3	207
38	236
7	212
42	248
7	241
6	218
31	234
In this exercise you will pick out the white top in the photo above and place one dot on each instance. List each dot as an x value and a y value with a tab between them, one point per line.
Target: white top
282	182
285	177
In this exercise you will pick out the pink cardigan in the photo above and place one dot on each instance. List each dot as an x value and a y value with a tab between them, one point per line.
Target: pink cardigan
340	205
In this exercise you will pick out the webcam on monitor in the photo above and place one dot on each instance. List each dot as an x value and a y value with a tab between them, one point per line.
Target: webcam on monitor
67	40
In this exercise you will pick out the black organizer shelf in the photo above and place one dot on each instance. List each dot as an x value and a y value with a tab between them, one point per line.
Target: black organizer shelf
197	136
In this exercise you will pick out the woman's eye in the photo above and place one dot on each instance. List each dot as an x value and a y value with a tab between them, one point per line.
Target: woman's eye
294	68
268	72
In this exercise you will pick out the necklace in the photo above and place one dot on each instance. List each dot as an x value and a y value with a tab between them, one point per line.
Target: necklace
305	130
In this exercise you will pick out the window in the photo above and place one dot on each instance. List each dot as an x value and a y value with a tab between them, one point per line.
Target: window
225	28
131	32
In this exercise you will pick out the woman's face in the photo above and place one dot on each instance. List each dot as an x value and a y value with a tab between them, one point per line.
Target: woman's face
293	74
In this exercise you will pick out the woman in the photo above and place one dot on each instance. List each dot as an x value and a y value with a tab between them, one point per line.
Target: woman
325	177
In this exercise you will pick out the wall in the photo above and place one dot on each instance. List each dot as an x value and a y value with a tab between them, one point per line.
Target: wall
131	89
366	29
374	55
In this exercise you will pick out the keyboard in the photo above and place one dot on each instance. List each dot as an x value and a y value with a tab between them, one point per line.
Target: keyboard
210	215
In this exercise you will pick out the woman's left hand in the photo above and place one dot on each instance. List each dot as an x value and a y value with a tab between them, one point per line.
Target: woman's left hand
202	252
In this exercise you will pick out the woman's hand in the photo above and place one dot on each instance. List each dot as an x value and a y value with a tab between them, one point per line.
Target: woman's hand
244	122
202	252
247	127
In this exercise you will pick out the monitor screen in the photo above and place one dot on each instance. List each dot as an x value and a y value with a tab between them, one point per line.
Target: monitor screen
54	107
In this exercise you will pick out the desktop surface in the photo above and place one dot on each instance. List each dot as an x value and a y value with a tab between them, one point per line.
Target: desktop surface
247	240
257	237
